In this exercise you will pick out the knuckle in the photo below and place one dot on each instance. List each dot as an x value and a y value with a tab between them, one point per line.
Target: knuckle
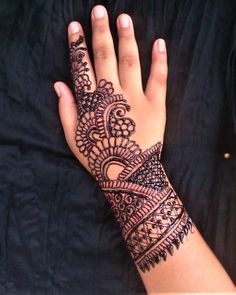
127	37
127	34
128	60
74	37
100	29
101	53
161	79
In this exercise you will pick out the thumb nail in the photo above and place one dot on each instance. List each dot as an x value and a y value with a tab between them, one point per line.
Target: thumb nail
57	89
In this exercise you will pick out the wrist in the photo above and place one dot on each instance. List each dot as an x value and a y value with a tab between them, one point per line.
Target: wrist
152	217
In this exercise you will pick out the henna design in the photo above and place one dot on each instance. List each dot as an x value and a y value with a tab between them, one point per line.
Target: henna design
151	216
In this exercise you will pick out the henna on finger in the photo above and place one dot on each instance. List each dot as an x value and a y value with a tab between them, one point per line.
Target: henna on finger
151	216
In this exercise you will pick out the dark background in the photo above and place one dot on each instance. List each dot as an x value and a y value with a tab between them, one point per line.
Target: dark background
57	233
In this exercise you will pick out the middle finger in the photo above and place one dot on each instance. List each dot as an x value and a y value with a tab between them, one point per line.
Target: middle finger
103	48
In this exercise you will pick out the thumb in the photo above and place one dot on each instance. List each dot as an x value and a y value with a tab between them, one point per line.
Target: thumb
68	112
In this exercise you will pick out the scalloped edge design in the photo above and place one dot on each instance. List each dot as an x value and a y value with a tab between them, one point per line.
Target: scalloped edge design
175	239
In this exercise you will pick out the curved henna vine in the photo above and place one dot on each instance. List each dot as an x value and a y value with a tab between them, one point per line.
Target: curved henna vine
151	216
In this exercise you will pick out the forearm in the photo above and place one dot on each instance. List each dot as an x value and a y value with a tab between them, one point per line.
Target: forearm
193	268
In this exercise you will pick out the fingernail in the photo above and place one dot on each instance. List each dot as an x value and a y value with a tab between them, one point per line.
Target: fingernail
161	45
124	21
98	12
74	27
58	90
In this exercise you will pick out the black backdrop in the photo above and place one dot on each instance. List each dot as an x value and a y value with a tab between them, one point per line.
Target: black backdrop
57	233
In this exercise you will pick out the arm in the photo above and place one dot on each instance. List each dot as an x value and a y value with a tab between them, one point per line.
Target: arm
193	268
123	153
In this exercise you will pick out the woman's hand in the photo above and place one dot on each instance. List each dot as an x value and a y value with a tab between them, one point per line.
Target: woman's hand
141	119
116	130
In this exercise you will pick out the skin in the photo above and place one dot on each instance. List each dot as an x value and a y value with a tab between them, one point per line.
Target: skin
193	268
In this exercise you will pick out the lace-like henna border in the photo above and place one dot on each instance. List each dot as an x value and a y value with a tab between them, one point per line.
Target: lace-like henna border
151	216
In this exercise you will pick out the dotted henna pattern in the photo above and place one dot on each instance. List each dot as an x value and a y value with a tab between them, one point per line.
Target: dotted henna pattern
152	218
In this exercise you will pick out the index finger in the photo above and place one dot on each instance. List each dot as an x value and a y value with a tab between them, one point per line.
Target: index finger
81	67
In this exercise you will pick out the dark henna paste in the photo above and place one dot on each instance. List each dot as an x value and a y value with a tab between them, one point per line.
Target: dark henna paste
152	218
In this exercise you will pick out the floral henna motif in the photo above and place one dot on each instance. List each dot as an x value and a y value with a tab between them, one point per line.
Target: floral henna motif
151	216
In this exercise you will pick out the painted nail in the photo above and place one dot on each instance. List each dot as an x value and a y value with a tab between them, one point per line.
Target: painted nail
98	12
74	27
58	90
124	21
161	45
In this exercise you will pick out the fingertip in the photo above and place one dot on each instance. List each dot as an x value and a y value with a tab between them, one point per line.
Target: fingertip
124	21
64	93
74	28
67	109
57	89
98	12
160	46
61	88
74	32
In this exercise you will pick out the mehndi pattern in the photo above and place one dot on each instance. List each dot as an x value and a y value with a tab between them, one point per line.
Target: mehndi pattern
151	216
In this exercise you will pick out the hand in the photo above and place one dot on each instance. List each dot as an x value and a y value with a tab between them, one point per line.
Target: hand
143	121
116	130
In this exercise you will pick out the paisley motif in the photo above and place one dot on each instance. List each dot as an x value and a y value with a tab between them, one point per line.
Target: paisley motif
151	216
